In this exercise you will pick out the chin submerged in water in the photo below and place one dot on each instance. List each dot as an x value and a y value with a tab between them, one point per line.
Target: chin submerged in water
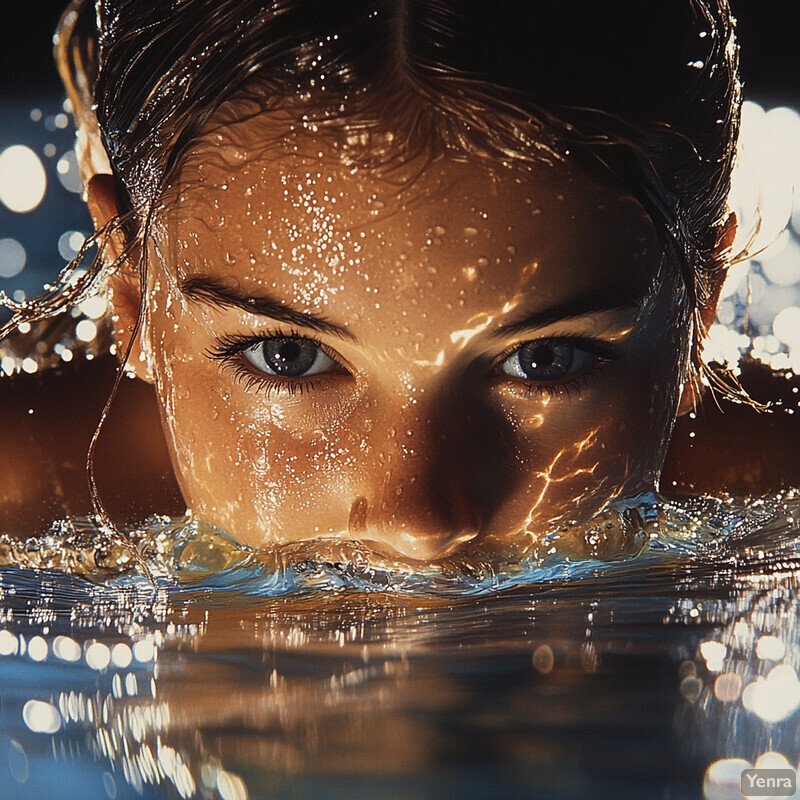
384	296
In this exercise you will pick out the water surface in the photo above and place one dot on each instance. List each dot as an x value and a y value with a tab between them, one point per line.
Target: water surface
235	674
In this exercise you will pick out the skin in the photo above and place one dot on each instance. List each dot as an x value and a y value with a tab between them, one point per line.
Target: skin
422	434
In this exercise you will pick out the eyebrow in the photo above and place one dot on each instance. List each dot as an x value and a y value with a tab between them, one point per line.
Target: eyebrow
213	291
210	290
580	306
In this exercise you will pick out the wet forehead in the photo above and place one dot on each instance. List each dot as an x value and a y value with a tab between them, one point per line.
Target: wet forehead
319	233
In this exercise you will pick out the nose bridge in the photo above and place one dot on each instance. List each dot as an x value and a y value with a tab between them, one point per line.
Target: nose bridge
434	467
408	442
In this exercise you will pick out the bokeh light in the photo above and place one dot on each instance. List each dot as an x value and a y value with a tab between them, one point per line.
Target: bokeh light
41	717
66	648
86	330
94	308
121	655
144	650
98	656
70	243
9	644
786	326
68	173
230	786
714	653
37	649
23	181
770	648
723	779
759	310
12	258
774	697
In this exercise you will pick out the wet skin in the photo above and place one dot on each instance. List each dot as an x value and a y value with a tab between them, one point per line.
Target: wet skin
469	353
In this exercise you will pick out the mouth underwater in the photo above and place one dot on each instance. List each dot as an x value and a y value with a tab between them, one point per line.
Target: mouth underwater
185	554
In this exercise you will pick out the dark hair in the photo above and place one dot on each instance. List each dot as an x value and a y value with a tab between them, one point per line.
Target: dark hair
647	91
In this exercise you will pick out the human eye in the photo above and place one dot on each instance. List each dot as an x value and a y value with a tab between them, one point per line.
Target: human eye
289	357
276	362
556	365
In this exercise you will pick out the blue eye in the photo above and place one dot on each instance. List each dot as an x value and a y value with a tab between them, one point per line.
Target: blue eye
289	357
546	360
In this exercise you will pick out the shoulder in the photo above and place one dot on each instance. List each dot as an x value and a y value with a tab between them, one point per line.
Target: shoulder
731	447
48	421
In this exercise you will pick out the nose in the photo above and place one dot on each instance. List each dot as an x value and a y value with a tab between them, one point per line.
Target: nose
437	474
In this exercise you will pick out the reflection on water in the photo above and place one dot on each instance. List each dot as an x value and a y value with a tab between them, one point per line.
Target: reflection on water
240	675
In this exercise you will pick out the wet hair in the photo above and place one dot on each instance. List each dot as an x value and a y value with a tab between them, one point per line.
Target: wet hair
646	92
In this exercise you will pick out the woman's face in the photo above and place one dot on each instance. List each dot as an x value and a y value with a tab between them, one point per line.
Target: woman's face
451	352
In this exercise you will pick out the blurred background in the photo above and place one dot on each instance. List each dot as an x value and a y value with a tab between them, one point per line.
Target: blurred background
43	222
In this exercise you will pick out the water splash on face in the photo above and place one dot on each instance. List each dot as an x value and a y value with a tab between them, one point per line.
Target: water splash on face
185	554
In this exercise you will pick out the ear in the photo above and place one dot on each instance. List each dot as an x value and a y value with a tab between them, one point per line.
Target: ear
124	292
692	389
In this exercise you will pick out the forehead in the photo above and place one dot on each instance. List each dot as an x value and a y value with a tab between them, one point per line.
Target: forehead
292	216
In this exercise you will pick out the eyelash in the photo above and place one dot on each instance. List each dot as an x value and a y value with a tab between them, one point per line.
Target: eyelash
229	348
566	388
228	354
603	353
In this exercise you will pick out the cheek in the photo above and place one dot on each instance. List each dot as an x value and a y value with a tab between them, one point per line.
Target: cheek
251	465
570	463
574	452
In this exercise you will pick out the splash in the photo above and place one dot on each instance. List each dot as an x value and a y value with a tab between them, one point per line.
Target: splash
185	554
